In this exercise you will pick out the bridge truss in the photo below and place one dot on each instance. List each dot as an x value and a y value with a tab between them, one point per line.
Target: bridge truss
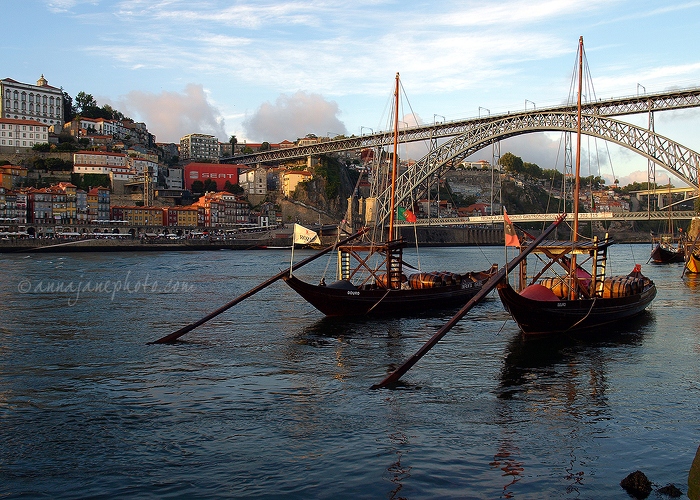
413	183
470	135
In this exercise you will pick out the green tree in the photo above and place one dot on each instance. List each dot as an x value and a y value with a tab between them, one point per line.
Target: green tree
233	188
233	142
210	185
84	102
265	146
532	169
68	112
511	163
197	187
43	147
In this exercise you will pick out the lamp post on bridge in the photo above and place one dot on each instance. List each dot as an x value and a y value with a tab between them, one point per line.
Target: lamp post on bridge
643	88
533	104
363	127
435	118
488	110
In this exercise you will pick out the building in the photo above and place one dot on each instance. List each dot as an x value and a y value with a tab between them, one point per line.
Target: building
23	101
173	178
139	216
180	216
39	206
10	175
199	147
101	127
291	178
98	202
22	133
218	172
254	181
102	158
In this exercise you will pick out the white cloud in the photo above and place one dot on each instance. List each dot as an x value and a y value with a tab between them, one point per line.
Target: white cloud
171	115
294	116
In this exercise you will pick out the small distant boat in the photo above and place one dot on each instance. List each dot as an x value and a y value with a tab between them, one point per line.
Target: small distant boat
577	300
666	248
665	252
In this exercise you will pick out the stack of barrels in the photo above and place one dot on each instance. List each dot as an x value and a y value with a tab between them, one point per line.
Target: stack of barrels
621	286
613	287
434	279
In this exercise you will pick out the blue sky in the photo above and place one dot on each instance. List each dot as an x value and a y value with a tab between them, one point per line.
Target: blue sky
275	70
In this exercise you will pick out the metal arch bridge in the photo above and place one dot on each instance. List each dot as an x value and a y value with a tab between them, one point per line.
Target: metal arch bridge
550	217
677	99
471	135
676	158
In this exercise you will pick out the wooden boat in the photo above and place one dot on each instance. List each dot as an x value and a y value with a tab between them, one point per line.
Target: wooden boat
371	277
691	248
578	300
665	252
692	265
666	249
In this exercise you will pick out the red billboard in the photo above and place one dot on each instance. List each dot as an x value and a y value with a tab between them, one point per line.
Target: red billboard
217	172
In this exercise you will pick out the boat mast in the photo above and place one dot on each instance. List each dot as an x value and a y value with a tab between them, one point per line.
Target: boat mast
577	177
394	163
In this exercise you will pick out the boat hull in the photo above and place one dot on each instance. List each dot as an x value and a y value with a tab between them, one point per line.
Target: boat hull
692	266
356	301
570	316
661	255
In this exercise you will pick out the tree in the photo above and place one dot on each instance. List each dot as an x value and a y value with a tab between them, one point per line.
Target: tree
512	163
68	113
233	142
197	187
210	185
43	147
233	188
265	146
83	102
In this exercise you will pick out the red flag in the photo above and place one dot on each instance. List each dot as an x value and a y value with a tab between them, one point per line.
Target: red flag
511	238
406	214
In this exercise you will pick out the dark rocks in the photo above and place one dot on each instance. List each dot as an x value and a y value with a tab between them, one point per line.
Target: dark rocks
670	490
637	485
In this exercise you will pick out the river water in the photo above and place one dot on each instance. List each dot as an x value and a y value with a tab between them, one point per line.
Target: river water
272	400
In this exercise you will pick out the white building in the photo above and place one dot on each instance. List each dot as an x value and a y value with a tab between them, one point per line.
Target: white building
100	158
199	147
101	126
139	166
254	181
22	133
173	178
23	101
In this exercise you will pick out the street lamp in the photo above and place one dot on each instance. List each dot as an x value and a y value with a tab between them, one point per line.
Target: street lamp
480	108
363	127
435	116
533	104
643	88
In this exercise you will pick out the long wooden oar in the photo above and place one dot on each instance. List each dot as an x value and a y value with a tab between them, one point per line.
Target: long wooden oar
179	333
488	286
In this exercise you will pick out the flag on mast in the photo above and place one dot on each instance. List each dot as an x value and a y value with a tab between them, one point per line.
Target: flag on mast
305	236
511	238
406	215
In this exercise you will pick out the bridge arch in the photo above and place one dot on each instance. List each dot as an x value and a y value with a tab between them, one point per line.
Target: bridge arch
672	156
